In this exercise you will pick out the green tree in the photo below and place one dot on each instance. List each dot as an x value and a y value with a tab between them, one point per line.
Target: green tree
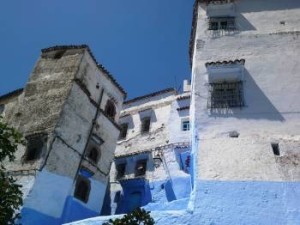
137	217
10	192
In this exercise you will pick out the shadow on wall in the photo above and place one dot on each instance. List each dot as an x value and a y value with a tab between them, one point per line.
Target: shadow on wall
270	5
257	105
106	208
242	24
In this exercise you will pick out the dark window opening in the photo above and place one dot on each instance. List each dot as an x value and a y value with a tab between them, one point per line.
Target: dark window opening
275	148
120	170
59	54
93	155
34	148
226	95
221	23
145	125
234	134
185	125
2	107
110	109
82	189
123	131
141	167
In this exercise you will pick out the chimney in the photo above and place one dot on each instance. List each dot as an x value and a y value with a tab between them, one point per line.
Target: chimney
186	86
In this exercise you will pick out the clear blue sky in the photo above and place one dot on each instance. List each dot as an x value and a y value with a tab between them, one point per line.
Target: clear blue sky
143	43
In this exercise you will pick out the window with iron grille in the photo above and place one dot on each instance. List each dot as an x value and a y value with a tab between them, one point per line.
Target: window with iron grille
226	95
221	23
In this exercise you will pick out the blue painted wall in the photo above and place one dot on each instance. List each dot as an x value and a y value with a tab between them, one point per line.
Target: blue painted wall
75	210
247	203
33	217
133	186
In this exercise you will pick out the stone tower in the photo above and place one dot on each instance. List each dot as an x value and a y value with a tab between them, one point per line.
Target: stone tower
68	113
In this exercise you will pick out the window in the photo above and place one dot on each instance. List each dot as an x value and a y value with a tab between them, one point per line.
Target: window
93	155
110	109
34	148
275	148
82	189
185	126
140	168
221	23
145	125
121	168
123	131
2	107
226	95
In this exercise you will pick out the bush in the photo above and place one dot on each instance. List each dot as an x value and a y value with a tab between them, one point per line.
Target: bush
10	192
137	217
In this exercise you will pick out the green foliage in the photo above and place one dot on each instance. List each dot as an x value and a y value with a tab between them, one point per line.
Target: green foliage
137	217
10	193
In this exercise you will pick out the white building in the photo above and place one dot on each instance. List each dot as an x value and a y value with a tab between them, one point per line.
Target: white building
150	160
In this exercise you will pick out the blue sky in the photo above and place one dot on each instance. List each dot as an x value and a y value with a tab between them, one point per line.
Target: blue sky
143	43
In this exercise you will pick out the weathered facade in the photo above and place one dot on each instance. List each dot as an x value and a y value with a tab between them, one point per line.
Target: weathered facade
149	168
68	113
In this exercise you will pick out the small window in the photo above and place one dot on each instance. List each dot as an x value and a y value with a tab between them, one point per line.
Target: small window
110	109
185	126
2	107
82	189
145	125
221	23
94	155
275	148
123	131
34	148
121	168
226	95
141	167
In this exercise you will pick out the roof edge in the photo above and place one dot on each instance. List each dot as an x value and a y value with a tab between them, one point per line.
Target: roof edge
12	93
100	66
150	95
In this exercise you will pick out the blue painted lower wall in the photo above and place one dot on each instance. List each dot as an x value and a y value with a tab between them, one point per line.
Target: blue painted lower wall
73	211
33	217
248	203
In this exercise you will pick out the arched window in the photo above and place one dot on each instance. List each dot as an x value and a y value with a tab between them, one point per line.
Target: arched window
82	189
110	109
94	155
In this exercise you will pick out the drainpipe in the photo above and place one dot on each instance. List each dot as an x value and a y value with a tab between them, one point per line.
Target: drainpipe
90	134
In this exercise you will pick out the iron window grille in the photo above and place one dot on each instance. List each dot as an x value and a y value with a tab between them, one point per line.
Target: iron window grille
226	95
221	23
